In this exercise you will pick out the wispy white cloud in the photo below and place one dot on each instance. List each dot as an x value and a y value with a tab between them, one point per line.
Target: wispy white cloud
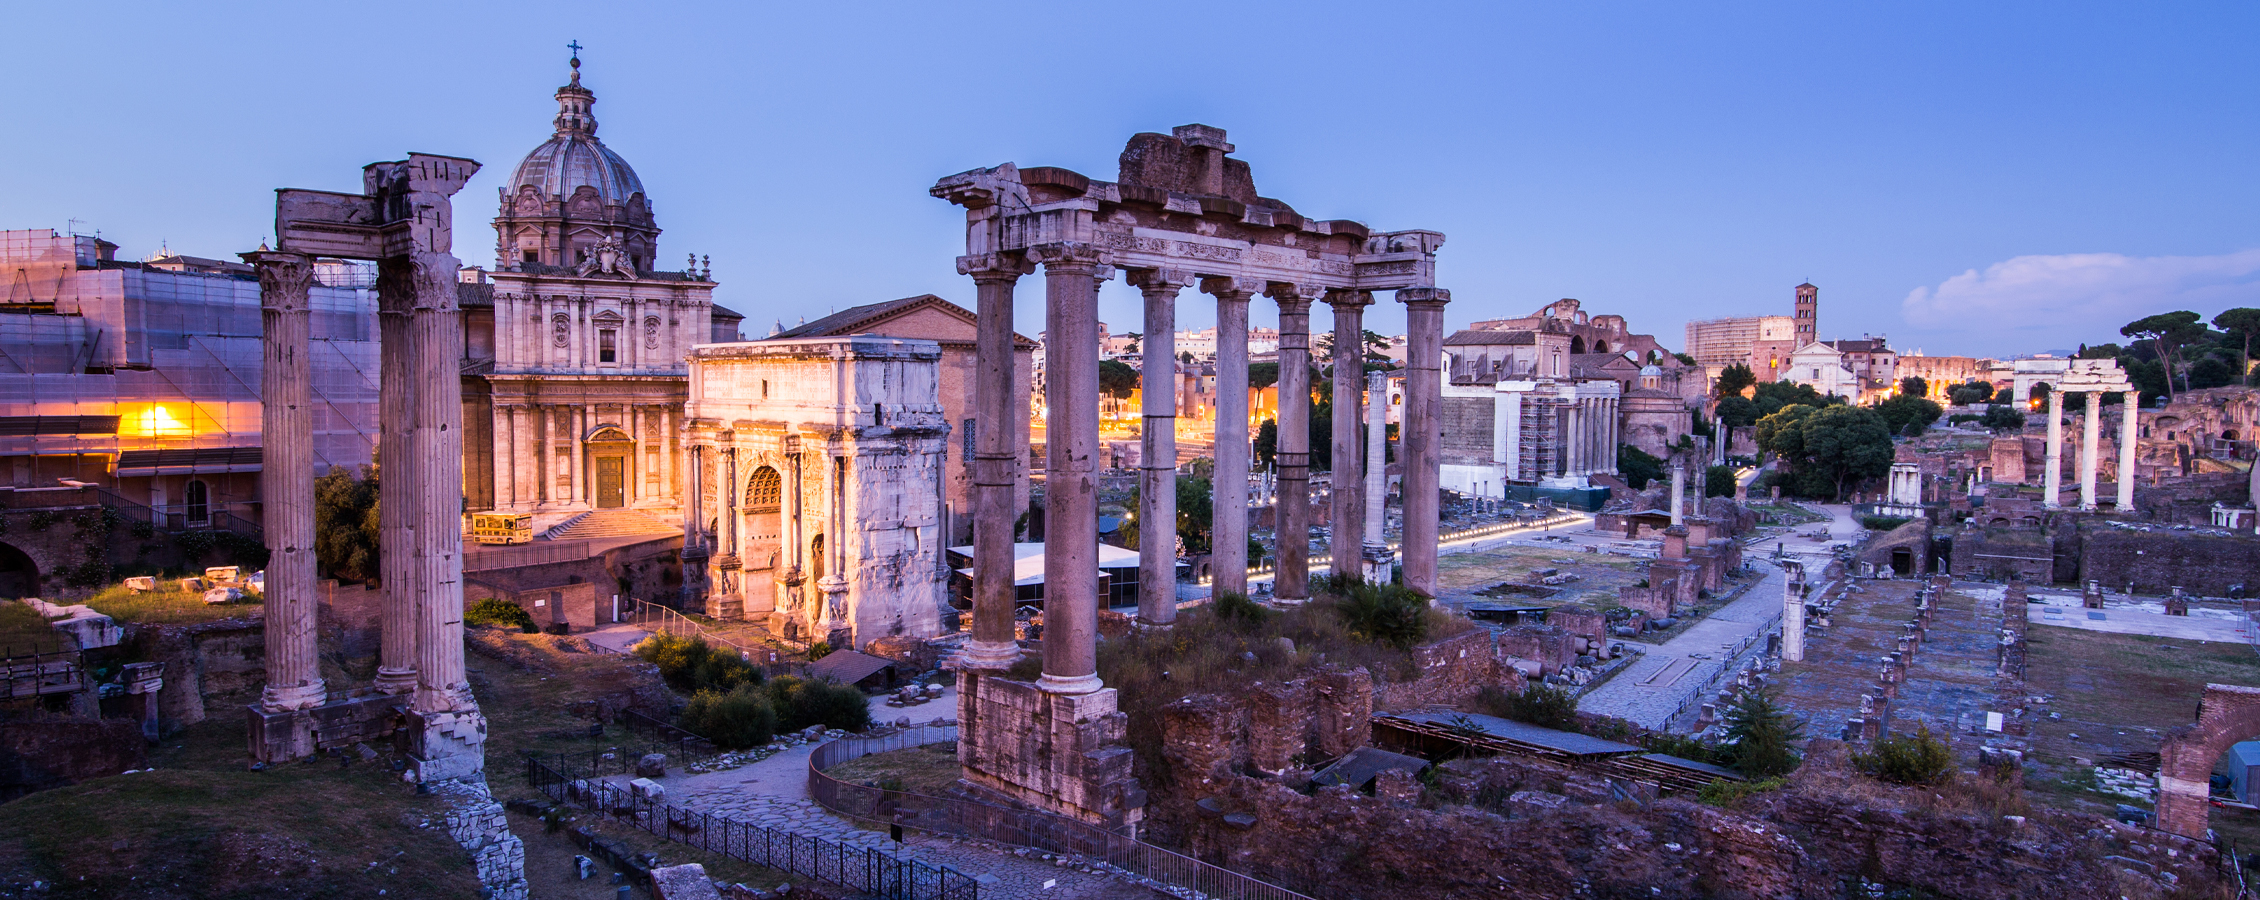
2081	296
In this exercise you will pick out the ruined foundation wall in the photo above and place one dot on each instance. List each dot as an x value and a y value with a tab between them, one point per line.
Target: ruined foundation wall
2156	562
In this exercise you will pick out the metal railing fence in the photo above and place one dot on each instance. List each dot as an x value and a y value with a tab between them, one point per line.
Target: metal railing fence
862	869
1017	827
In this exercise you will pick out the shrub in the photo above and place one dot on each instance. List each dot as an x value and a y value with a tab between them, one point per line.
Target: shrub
735	720
2003	418
1721	792
1383	614
819	650
800	703
1236	609
1883	523
499	612
1759	734
1908	759
1538	704
689	664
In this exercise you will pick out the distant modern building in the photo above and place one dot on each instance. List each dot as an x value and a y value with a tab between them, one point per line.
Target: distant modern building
1718	343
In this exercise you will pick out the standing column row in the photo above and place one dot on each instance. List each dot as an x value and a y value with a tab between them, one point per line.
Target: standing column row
1157	478
1071	524
1422	431
996	460
1291	537
1347	509
294	673
1228	559
436	504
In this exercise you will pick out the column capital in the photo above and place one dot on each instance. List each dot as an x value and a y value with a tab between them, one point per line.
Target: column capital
1005	267
284	278
1159	280
1423	296
1341	298
1071	257
422	280
1285	292
1230	288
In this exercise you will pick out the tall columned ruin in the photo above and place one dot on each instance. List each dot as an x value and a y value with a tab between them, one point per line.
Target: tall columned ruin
2093	377
1183	212
402	220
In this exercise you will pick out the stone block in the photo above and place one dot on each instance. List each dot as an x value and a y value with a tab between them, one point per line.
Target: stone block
647	789
141	583
652	765
684	882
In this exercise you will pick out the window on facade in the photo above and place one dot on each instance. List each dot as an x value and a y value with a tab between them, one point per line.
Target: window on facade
199	503
531	256
608	345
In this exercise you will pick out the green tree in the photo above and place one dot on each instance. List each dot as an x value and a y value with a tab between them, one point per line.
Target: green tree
1847	445
1262	375
2242	325
1117	379
1637	467
1718	481
1914	386
1737	411
1185	357
1684	359
1136	339
1772	396
345	524
2210	372
1760	734
1969	393
1195	515
2003	417
1919	758
1782	433
1905	409
2167	334
1267	442
1733	380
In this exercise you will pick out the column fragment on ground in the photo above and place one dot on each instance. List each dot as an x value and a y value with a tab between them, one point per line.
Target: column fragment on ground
1291	536
996	460
1157	481
1422	431
1346	500
1071	528
294	676
1228	560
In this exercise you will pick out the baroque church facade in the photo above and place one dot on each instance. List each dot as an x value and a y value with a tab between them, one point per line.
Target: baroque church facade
574	370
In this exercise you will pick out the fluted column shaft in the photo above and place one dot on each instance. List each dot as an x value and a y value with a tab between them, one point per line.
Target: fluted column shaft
286	418
2052	477
996	461
1346	502
2091	425
2132	402
1377	462
1071	524
1422	431
436	500
396	478
1157	481
1291	539
1228	559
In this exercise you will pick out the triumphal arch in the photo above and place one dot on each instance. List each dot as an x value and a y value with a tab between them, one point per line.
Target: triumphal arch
1182	213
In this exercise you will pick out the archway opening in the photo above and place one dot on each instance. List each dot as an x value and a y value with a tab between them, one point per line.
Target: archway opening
764	531
1576	344
19	576
1902	562
199	503
1600	346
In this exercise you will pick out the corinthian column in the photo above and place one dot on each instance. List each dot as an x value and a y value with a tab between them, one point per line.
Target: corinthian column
2091	424
1422	431
1291	539
1377	556
396	478
996	461
286	481
1071	512
436	497
1157	483
1228	537
1346	503
2131	401
2052	477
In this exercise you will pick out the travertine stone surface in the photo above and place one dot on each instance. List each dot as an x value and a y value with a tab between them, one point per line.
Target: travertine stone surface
1228	562
1292	544
1071	528
1423	431
294	675
997	458
1346	511
1157	483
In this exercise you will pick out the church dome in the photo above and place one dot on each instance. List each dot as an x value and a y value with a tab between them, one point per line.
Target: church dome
573	157
1651	370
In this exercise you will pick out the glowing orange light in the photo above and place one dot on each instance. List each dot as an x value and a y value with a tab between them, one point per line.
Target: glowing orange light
155	421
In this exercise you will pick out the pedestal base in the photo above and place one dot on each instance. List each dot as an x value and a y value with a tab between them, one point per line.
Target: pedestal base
284	735
1062	753
444	746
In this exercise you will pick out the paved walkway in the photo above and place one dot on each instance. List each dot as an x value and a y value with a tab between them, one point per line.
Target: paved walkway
1654	687
2135	621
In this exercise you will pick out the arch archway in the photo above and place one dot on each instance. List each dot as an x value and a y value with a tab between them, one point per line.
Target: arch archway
1600	346
2227	714
764	531
1576	344
19	575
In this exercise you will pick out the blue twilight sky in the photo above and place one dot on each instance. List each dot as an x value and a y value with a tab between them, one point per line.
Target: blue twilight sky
1982	178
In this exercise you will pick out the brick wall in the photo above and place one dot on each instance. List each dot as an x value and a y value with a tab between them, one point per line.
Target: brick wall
1467	430
2157	561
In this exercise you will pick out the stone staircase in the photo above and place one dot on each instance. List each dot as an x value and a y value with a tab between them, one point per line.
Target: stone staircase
609	523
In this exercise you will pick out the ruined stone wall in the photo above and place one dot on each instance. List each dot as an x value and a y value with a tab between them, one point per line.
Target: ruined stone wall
1913	537
2189	500
208	666
2158	561
1451	670
1270	727
1503	827
37	753
1467	430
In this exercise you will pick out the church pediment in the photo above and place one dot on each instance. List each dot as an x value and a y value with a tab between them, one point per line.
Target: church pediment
608	433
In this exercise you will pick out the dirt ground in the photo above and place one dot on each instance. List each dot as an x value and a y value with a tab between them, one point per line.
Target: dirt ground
1460	576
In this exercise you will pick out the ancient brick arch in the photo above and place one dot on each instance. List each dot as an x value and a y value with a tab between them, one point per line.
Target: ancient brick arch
2229	713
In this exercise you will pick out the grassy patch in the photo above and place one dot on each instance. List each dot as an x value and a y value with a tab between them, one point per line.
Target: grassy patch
203	825
167	606
24	631
931	769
